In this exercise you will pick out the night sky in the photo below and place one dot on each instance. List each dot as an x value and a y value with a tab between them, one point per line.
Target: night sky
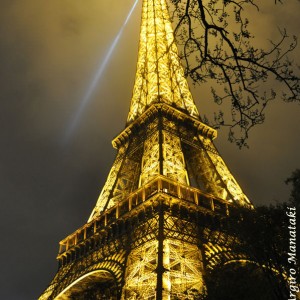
50	179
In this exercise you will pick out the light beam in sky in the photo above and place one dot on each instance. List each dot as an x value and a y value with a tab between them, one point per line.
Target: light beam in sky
102	66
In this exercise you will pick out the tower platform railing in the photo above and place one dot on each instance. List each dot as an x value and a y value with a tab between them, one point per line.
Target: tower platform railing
182	194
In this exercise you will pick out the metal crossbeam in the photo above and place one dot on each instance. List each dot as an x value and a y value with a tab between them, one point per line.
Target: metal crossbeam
155	228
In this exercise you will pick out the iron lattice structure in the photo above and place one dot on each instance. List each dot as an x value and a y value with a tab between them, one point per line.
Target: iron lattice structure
153	233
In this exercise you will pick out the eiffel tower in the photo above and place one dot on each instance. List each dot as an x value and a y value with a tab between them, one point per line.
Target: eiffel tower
149	235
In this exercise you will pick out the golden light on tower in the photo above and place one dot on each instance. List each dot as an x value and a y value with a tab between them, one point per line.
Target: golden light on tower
159	75
148	235
160	80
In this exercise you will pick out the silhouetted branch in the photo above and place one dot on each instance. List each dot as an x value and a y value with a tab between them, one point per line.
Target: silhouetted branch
217	45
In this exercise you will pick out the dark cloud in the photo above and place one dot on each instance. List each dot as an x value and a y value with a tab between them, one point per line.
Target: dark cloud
49	52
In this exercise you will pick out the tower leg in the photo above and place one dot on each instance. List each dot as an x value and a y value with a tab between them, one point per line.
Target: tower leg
163	282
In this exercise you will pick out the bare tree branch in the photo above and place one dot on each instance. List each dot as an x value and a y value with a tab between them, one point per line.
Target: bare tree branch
217	45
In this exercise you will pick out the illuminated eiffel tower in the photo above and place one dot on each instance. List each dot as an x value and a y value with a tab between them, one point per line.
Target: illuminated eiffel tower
149	235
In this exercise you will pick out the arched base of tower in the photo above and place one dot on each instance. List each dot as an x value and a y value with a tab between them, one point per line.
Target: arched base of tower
97	285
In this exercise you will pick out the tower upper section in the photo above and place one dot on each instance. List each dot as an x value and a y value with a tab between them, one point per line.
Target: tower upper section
159	75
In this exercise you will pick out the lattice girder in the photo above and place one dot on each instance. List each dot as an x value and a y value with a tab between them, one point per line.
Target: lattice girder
155	228
64	283
183	270
159	74
163	147
182	259
186	226
231	185
108	186
165	141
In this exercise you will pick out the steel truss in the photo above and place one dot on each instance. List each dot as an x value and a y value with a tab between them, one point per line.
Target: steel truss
156	227
126	253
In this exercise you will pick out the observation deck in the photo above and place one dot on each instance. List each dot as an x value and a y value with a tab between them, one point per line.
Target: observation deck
170	192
